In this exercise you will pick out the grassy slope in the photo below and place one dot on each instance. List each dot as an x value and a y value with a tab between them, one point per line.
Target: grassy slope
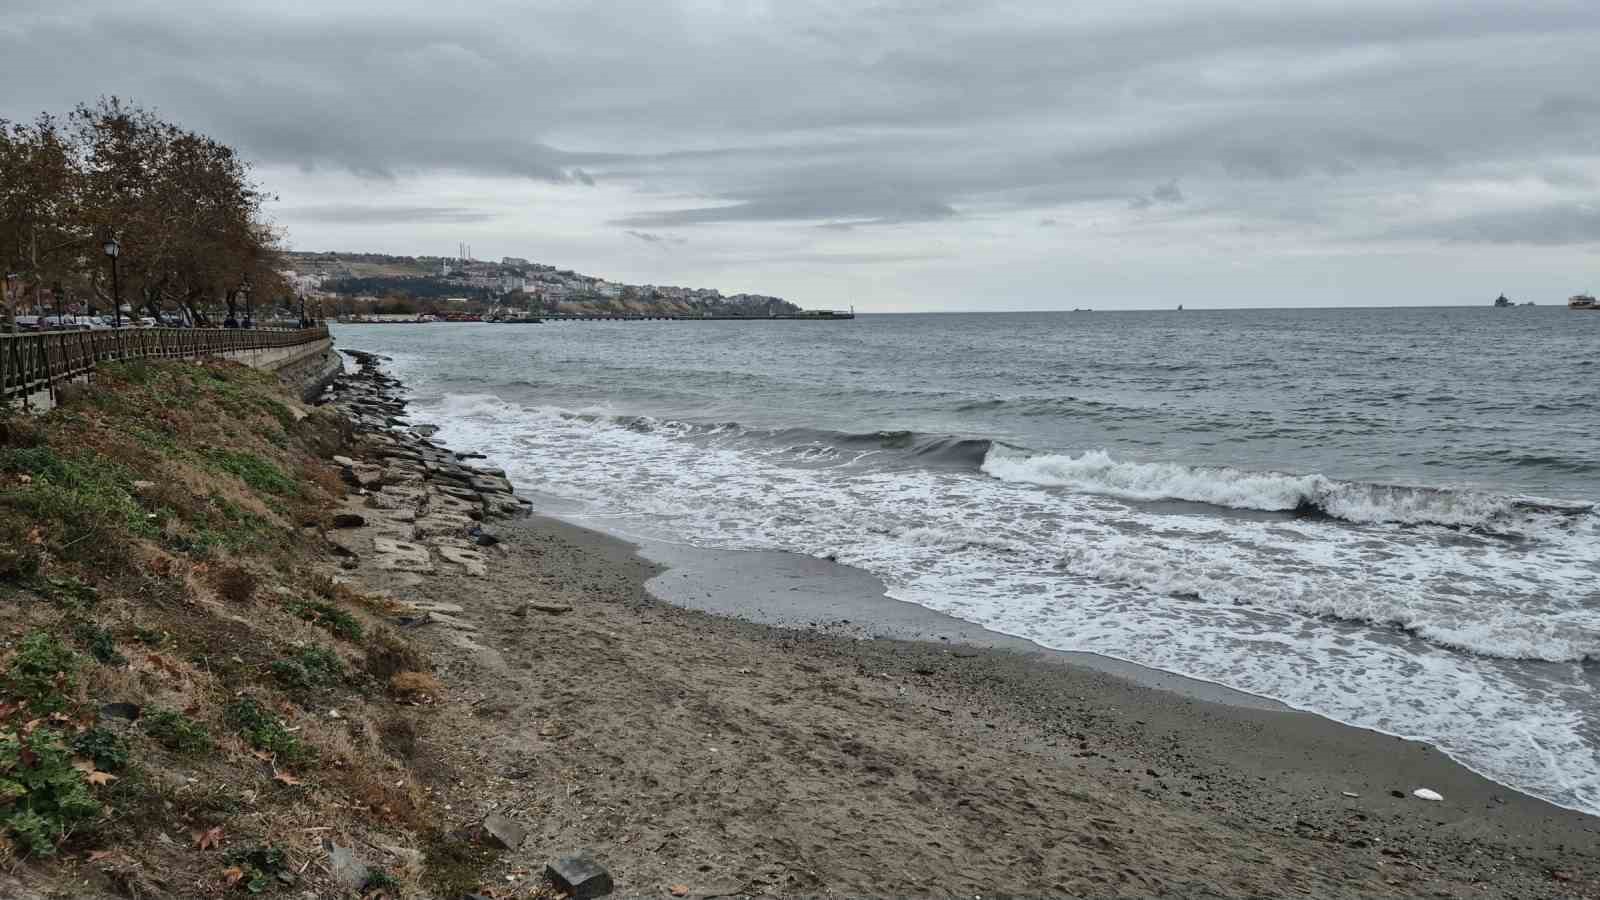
159	534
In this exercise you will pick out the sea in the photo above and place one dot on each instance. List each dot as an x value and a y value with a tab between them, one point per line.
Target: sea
1384	516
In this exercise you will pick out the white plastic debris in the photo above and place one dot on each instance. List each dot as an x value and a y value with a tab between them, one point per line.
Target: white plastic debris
1425	794
1349	794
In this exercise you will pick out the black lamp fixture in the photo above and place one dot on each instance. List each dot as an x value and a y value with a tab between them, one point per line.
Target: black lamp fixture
249	303
113	250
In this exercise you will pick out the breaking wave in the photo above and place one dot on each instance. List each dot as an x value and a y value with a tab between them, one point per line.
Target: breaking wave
1308	495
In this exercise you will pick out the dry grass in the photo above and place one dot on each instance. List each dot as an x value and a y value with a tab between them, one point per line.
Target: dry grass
416	687
235	584
192	572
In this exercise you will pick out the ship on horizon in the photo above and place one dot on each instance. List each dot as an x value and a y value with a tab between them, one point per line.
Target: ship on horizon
1582	301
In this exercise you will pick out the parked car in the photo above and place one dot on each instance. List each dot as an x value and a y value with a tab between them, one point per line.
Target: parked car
26	323
93	323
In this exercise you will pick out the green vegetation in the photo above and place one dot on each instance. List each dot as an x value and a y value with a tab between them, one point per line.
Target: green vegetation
313	668
44	796
336	620
378	881
108	750
89	498
254	471
43	672
176	731
261	867
102	646
266	731
150	524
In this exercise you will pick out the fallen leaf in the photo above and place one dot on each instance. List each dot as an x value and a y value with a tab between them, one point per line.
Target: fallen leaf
232	875
262	755
205	840
286	778
679	890
101	777
101	855
163	664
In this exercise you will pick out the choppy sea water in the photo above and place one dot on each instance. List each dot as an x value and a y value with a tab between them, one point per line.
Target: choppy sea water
1383	516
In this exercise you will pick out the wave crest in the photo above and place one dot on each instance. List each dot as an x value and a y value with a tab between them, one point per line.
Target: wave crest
1309	495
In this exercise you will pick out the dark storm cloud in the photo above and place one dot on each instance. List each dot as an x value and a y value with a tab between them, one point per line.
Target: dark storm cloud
353	214
879	115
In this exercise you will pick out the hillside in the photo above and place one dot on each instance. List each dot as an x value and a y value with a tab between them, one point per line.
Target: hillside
355	282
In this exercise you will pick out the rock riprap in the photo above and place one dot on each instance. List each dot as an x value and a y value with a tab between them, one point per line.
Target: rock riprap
415	506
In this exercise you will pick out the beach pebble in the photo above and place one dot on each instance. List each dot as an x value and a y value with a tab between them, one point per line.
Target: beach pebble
1425	794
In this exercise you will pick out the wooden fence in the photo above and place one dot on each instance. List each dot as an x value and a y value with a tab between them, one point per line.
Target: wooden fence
30	363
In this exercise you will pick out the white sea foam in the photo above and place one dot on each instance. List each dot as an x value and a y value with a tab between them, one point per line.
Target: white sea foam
1303	610
1097	472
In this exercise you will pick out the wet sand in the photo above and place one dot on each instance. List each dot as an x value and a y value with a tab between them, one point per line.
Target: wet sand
782	728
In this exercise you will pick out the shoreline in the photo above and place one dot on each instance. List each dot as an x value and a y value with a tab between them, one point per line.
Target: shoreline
796	755
752	587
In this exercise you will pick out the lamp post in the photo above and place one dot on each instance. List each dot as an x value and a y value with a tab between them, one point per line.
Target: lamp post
9	288
112	250
249	303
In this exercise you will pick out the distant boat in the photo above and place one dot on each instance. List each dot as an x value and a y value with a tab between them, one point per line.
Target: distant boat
1581	301
1180	307
1502	302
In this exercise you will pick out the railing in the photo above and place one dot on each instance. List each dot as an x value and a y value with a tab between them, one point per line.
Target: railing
30	363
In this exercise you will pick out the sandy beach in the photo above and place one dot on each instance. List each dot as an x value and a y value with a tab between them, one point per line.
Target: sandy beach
701	754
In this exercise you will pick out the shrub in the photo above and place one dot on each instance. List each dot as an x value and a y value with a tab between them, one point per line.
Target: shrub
43	672
176	731
44	795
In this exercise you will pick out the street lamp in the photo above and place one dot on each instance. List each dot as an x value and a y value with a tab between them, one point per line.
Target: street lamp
249	303
113	249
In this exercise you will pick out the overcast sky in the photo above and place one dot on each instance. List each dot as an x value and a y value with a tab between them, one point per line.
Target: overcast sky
896	155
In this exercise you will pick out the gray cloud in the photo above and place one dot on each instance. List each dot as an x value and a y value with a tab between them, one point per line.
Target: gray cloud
1324	123
359	214
1547	226
650	237
1167	193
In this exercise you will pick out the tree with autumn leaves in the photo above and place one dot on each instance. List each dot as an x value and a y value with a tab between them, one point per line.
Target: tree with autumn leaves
183	208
